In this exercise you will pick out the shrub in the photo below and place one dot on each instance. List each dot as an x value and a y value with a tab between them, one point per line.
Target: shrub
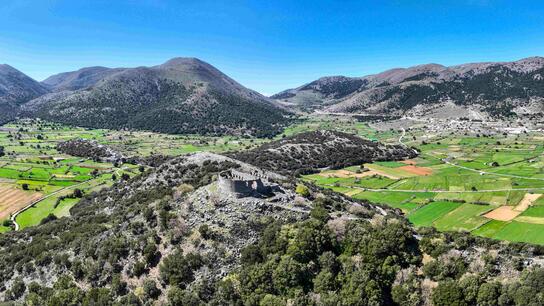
302	190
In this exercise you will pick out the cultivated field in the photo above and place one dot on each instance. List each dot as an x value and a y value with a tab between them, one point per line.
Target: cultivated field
32	170
488	185
13	198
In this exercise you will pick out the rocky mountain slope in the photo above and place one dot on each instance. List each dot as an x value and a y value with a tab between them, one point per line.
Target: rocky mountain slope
15	89
310	151
494	89
183	95
80	79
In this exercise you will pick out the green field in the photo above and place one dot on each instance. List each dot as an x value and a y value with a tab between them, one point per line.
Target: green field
466	217
426	215
31	162
461	179
521	232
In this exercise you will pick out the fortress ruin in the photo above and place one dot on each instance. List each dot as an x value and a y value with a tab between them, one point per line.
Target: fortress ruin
244	184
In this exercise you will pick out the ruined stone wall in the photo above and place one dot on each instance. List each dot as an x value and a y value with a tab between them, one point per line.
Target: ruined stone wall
241	184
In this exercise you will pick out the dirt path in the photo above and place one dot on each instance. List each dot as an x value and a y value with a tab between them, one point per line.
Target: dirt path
438	191
527	200
444	160
402	136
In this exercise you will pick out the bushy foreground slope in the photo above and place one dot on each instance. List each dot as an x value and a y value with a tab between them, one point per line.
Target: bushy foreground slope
171	237
169	228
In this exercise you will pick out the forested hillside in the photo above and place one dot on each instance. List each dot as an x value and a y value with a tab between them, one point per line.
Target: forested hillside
182	96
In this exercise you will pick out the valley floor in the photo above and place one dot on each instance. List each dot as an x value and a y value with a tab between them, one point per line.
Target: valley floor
487	184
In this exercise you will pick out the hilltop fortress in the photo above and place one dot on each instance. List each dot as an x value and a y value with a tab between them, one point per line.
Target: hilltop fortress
244	184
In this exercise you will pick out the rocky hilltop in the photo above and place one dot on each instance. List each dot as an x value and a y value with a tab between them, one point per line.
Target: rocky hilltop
493	89
80	79
310	151
89	149
172	227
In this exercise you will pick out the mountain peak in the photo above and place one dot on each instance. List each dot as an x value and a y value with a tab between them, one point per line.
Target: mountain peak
5	68
183	61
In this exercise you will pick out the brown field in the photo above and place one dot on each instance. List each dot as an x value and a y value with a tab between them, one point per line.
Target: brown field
13	199
503	213
527	200
507	213
417	170
348	174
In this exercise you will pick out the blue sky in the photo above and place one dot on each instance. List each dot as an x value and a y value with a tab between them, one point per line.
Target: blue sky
267	45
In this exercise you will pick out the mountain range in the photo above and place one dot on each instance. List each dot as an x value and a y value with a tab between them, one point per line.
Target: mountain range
493	89
187	95
183	95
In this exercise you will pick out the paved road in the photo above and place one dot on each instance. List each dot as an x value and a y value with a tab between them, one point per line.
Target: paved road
14	215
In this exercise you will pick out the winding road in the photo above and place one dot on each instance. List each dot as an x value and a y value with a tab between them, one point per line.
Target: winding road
15	214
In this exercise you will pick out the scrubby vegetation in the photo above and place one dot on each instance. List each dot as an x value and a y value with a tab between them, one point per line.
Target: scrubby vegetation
183	96
307	152
89	149
144	240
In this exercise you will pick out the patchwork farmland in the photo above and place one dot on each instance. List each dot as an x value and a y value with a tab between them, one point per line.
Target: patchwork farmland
490	186
32	171
37	181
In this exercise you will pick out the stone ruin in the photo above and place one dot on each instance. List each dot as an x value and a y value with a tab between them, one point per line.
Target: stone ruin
244	184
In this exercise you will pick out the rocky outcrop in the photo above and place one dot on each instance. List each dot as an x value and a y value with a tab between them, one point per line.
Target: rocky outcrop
310	151
89	149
